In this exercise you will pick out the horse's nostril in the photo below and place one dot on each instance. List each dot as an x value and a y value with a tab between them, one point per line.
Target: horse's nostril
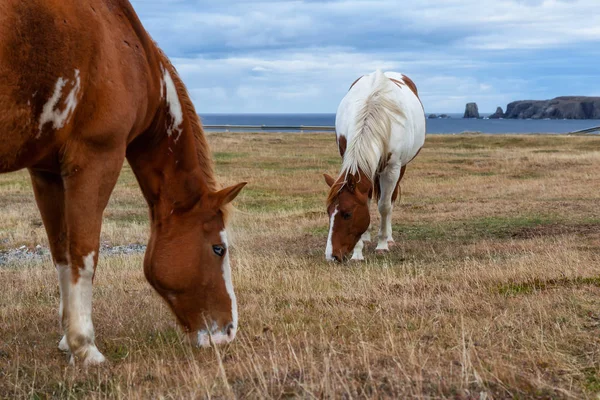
229	330
336	258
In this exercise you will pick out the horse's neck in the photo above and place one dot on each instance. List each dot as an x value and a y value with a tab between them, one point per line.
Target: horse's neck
171	169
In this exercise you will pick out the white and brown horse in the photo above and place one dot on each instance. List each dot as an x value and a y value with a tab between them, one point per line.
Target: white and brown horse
380	127
82	87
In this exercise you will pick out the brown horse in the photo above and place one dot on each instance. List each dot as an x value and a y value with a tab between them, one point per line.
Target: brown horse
82	87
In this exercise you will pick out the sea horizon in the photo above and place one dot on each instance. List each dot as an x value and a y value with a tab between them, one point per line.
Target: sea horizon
452	125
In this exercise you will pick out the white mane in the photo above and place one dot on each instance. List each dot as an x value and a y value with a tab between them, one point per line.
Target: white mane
373	129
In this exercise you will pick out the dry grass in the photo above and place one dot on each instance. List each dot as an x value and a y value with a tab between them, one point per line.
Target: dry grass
493	290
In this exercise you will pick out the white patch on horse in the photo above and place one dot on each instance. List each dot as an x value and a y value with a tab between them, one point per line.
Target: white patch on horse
206	337
174	105
63	345
217	338
51	112
226	268
162	89
329	248
80	325
226	334
64	278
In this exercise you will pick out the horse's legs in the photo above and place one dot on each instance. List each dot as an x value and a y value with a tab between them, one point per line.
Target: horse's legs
387	182
366	237
49	195
87	189
358	250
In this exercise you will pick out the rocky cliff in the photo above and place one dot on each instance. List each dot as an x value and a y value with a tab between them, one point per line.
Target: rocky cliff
471	111
571	107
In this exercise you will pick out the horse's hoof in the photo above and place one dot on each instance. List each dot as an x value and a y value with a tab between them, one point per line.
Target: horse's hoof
63	345
381	251
93	357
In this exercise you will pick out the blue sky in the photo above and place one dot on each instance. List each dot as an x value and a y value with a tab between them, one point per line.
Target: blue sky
246	56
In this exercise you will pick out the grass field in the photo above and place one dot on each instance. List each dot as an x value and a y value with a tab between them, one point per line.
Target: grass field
492	291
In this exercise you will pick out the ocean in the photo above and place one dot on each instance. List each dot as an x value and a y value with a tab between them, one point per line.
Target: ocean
455	124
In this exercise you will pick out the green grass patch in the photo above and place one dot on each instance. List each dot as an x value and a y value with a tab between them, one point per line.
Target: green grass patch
127	217
224	156
267	200
592	380
537	285
497	227
470	230
526	175
546	151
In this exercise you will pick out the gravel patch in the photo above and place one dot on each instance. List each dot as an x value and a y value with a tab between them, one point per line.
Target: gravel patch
40	253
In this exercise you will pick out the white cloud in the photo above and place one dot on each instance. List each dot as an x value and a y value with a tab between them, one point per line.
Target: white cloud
301	56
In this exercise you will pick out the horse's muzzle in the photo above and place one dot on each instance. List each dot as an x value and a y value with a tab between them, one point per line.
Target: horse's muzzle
216	336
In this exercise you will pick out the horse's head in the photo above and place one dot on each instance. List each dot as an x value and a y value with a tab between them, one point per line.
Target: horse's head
348	209
187	262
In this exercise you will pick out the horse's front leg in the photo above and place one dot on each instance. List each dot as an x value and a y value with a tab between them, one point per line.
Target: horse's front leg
357	253
366	237
88	182
50	198
388	180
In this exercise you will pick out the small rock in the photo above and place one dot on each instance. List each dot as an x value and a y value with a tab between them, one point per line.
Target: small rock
498	114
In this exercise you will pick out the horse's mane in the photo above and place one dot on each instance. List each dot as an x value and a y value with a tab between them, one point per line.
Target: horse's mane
203	152
372	134
373	128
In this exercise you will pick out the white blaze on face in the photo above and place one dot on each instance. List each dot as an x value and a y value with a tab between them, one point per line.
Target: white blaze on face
226	267
173	103
221	336
329	248
51	112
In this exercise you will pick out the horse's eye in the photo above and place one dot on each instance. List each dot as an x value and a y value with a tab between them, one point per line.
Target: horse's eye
346	216
219	250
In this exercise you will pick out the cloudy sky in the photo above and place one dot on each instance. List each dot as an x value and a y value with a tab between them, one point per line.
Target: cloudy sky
246	56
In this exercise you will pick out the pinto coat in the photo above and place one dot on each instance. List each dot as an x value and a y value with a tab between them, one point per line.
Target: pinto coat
380	128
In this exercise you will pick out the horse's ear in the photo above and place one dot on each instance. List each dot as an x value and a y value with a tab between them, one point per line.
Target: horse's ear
329	180
226	196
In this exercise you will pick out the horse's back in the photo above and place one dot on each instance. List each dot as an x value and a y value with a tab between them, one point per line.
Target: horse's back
55	62
407	134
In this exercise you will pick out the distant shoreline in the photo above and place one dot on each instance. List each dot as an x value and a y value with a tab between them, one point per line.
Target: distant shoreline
452	125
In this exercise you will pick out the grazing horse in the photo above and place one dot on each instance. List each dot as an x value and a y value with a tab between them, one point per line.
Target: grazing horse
82	87
380	127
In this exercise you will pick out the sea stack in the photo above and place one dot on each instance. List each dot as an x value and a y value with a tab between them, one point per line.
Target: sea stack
498	114
471	111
